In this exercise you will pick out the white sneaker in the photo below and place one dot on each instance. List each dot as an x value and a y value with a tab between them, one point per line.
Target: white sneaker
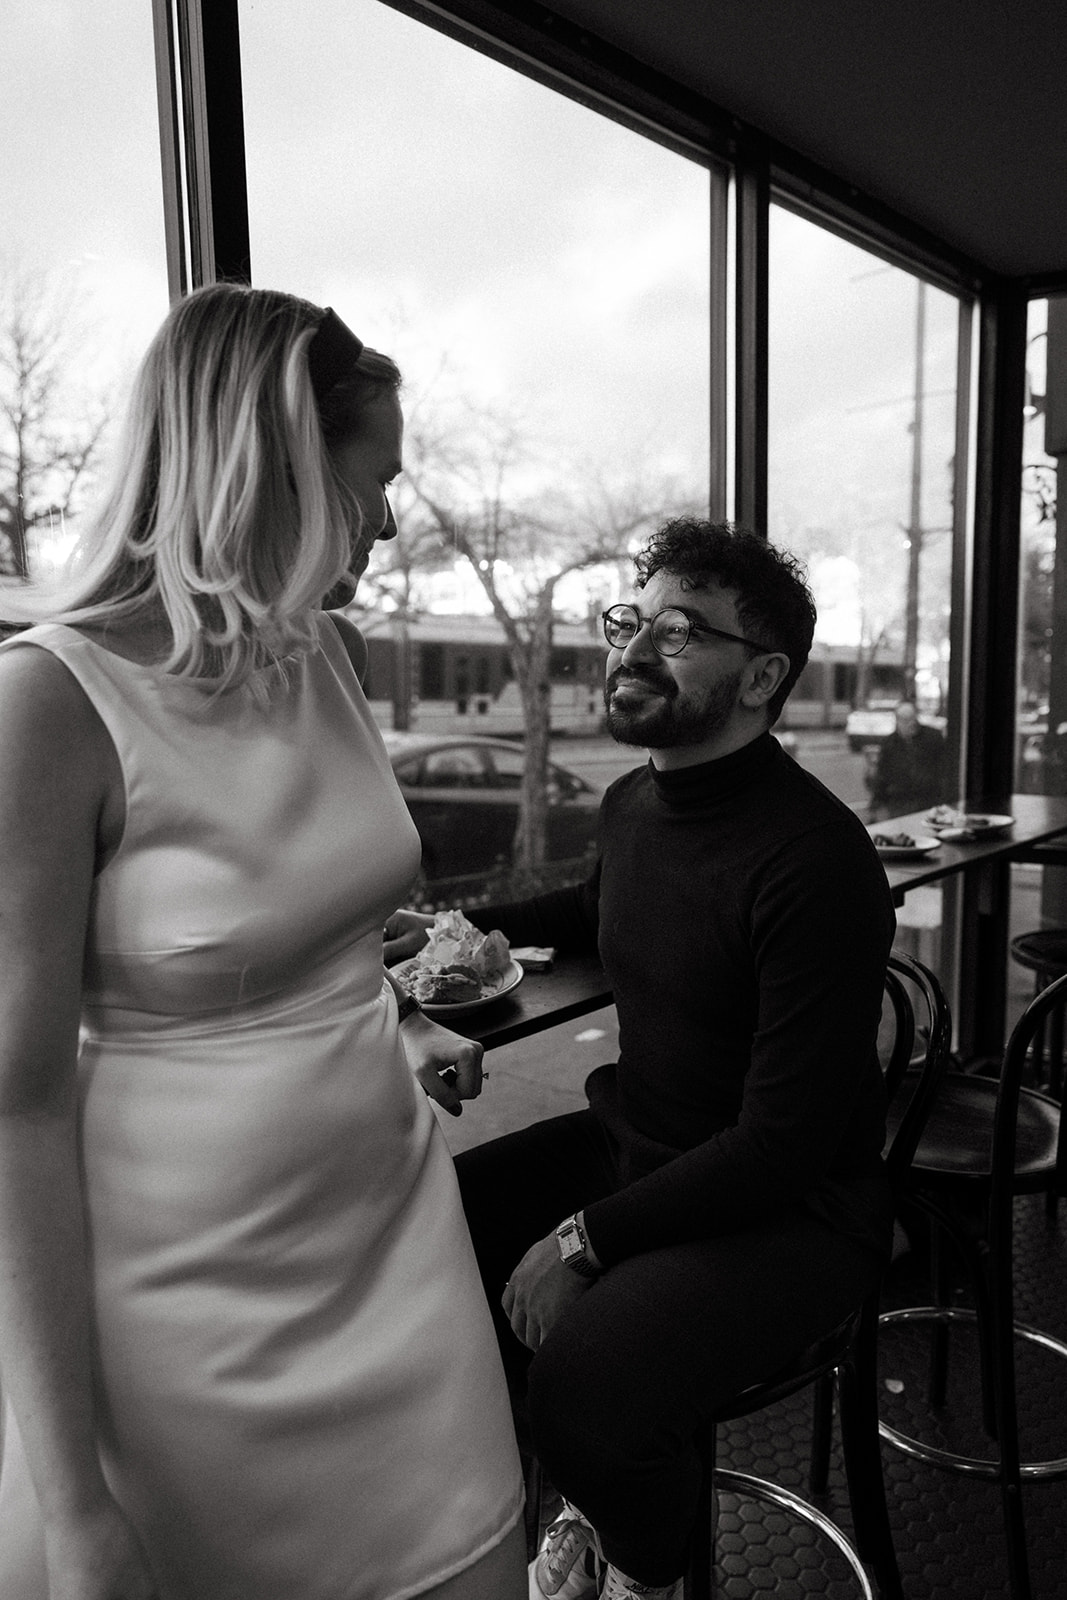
617	1586
567	1566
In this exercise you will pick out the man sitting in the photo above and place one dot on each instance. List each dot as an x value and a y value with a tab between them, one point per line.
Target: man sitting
910	771
721	1204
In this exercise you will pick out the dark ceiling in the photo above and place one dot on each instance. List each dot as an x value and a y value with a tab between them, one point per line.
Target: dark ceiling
952	112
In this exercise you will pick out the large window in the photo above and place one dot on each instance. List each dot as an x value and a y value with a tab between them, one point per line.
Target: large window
861	473
1040	767
541	274
1039	894
83	277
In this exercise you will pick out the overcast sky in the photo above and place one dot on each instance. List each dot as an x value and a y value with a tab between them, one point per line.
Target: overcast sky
452	209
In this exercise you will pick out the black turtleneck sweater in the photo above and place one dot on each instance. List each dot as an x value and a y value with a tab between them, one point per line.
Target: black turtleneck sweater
744	921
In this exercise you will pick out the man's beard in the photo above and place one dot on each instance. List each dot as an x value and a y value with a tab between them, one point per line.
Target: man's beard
672	719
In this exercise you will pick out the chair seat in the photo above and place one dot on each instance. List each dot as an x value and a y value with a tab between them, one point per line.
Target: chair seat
957	1141
1043	950
822	1356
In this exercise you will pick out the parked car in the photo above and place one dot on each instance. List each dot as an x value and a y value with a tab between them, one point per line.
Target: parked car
463	794
873	724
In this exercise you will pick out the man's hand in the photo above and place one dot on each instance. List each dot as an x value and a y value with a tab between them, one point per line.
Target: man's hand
433	1051
405	934
540	1290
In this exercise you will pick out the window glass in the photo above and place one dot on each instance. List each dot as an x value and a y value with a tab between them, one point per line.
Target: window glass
83	278
861	461
508	765
541	275
1039	894
1040	767
455	768
861	472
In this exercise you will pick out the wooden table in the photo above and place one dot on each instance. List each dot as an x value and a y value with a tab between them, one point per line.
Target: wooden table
977	927
1038	818
574	986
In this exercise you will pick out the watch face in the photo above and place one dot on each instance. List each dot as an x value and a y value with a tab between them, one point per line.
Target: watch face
570	1244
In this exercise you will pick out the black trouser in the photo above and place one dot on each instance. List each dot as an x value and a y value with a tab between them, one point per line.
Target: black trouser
612	1401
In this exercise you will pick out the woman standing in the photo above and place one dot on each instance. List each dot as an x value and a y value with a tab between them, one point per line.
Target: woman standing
241	1329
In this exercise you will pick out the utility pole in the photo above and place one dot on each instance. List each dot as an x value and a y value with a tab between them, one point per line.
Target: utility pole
914	530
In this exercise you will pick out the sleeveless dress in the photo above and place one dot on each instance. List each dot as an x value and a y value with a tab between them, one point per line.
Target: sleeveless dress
299	1387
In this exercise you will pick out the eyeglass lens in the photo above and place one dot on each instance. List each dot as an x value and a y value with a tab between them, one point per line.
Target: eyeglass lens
670	628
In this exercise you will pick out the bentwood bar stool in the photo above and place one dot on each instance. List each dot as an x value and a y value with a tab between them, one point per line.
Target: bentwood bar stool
849	1353
985	1143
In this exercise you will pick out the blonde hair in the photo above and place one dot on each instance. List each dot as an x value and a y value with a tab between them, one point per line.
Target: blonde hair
225	511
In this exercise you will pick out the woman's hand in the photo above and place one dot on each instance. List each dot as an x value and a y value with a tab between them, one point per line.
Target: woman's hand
405	934
98	1557
541	1288
448	1066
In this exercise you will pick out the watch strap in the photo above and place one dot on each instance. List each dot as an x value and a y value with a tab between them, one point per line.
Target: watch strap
573	1248
406	1008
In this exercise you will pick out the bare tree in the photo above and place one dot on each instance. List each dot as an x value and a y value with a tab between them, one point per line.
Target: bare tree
51	428
478	488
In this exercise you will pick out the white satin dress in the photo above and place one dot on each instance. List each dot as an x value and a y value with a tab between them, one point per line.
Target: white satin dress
300	1391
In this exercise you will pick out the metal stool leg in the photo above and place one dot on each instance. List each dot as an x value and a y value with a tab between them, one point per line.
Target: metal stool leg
700	1572
858	1389
822	1423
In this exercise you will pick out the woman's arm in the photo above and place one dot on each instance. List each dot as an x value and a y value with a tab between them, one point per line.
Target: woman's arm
56	788
433	1051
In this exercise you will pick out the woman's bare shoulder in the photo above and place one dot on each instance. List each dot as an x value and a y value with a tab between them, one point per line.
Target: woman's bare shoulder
47	721
353	641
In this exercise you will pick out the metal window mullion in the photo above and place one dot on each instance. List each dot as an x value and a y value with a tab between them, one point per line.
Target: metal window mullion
198	76
753	193
170	151
998	461
718	340
196	124
959	630
990	701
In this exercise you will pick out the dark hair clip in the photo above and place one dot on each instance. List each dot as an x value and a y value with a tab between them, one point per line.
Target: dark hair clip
332	353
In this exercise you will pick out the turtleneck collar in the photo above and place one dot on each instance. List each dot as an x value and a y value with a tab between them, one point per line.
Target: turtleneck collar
681	787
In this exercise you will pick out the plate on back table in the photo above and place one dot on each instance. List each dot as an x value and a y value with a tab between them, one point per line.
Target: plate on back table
902	846
492	989
967	826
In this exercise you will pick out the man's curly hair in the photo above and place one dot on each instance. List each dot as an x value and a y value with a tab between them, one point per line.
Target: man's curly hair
773	601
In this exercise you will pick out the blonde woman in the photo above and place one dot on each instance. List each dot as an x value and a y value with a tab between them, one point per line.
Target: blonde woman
241	1331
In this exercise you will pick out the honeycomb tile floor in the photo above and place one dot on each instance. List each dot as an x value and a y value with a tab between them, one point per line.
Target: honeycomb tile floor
947	1529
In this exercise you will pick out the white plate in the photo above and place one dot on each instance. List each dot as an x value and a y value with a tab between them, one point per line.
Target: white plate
510	979
972	825
903	852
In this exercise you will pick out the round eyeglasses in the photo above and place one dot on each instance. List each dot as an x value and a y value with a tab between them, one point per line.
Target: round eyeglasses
669	628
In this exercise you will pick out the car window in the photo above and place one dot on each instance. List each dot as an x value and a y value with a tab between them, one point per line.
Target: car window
458	767
564	785
508	765
409	773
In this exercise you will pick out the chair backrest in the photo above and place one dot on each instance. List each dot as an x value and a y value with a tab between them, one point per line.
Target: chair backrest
1009	1088
920	1011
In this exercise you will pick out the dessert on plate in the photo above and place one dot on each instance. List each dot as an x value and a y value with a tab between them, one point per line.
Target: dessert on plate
457	964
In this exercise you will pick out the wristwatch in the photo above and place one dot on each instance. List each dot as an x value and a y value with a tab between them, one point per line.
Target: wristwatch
406	1008
573	1248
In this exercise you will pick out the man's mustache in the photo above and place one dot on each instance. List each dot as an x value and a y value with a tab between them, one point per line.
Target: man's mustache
665	686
